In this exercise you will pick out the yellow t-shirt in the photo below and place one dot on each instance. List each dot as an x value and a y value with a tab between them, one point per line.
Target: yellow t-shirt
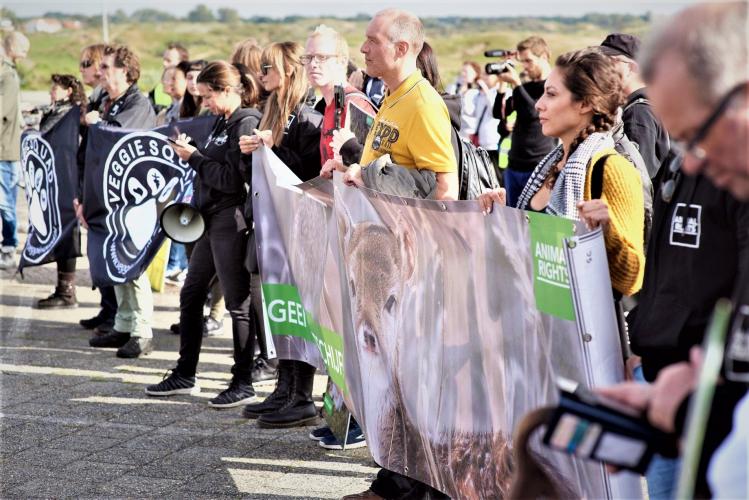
413	127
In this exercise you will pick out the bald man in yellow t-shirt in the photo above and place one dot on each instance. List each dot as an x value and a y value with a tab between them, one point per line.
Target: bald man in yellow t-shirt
413	125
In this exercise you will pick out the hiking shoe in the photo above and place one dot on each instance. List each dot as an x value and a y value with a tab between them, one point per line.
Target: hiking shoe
354	439
57	301
135	347
320	433
238	394
110	339
262	370
173	384
211	327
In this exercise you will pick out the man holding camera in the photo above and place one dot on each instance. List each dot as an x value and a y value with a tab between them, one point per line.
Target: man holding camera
529	145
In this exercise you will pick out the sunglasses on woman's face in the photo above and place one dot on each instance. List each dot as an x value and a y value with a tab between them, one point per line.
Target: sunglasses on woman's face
265	68
86	63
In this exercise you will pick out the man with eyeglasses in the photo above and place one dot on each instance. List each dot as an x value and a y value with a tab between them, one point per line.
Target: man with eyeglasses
125	106
696	67
15	48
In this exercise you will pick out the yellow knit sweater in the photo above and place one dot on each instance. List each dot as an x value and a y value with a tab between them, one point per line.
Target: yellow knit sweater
622	193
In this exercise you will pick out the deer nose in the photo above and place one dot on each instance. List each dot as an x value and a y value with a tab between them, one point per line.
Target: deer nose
368	337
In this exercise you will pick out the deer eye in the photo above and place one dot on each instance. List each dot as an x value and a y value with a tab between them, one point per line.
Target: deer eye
353	288
390	303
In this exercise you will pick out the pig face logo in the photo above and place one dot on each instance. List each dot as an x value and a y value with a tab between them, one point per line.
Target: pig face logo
42	193
142	175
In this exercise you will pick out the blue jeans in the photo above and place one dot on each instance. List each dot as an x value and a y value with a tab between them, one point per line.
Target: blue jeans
662	473
514	184
177	257
9	171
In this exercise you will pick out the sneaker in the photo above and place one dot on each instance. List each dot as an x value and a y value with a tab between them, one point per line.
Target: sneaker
7	260
211	327
320	433
354	439
262	370
174	383
176	278
238	394
135	347
57	301
111	339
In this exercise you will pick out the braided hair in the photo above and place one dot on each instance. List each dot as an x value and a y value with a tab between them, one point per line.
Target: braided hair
591	76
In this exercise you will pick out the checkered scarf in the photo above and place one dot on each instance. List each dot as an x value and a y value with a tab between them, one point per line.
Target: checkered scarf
569	186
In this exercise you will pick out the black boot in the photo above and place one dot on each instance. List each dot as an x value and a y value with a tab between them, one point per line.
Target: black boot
278	397
64	296
299	410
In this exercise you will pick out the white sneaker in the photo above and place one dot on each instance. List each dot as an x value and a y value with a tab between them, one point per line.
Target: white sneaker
7	259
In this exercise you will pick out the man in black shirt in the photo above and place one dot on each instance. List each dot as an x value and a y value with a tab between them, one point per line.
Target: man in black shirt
529	145
640	125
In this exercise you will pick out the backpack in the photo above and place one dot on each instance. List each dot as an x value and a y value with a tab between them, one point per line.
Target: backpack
630	151
476	171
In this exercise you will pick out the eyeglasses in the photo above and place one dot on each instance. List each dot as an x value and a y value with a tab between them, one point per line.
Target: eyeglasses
318	58
671	179
265	68
691	147
86	63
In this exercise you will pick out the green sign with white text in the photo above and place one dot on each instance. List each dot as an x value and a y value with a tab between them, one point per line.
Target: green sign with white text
551	284
286	316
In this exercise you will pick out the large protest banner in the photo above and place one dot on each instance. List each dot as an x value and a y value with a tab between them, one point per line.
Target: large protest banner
48	166
131	175
453	325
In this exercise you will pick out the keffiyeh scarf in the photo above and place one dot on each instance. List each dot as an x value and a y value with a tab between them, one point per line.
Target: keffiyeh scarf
569	186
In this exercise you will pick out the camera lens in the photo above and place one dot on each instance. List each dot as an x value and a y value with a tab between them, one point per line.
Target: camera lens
496	68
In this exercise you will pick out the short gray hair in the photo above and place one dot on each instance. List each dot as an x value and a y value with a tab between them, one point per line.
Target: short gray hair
13	41
710	39
404	27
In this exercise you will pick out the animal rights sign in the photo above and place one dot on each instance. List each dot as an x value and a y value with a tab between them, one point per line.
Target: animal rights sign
48	166
130	177
433	309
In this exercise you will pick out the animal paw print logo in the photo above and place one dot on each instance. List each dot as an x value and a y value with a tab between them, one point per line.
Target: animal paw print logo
141	176
38	165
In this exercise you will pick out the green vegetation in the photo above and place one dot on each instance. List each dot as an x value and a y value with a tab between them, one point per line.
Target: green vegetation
454	39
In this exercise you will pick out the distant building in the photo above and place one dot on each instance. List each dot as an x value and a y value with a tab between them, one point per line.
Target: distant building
72	24
43	25
6	24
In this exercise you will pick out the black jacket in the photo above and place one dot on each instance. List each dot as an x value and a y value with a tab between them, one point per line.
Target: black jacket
54	114
221	167
529	144
131	110
698	250
300	148
642	127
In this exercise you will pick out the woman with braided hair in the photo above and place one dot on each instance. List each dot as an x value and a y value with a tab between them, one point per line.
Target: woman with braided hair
581	97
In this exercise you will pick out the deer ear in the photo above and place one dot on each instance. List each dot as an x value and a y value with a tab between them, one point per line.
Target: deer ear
407	243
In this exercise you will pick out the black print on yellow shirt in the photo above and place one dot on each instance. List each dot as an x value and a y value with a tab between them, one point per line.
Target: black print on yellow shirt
387	133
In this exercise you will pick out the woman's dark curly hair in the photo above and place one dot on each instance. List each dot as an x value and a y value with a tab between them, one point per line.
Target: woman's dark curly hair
77	94
591	76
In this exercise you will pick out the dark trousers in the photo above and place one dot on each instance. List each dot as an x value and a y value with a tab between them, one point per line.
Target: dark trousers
221	252
108	302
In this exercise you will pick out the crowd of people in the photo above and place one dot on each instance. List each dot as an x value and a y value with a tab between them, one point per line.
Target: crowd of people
673	209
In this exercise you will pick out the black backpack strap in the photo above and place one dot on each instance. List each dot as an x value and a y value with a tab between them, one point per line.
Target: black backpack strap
596	181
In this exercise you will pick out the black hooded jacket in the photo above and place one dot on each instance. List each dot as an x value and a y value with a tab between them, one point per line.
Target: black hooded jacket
221	167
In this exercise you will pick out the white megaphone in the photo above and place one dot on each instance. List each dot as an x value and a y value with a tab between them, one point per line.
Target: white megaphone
182	222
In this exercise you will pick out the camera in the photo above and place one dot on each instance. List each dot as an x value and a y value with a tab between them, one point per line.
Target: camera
499	53
498	67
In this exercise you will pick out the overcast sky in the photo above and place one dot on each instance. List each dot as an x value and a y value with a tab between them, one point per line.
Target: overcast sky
280	8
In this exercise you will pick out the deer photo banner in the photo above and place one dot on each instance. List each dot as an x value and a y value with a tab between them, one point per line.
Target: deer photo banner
130	176
433	310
